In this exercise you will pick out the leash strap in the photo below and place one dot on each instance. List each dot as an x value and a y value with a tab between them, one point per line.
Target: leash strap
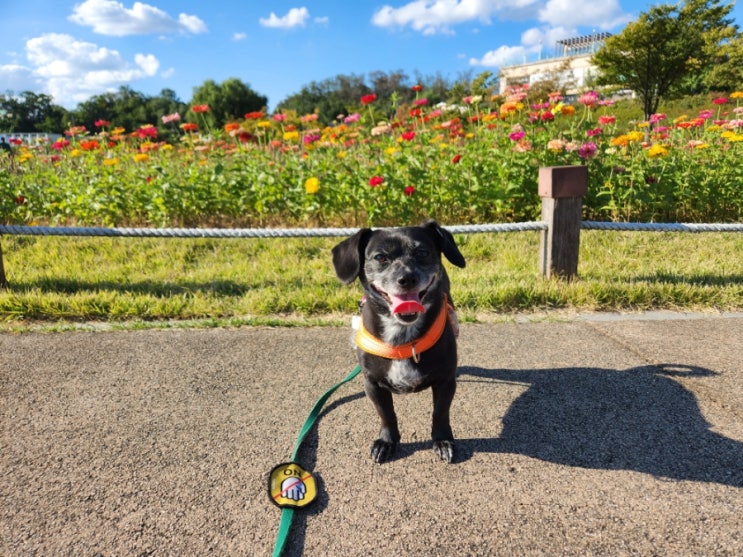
287	513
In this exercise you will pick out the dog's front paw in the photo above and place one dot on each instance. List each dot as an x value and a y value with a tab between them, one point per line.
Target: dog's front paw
445	450
382	450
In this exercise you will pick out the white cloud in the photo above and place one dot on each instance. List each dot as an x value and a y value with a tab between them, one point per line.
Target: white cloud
109	17
561	20
72	71
17	78
534	41
296	17
437	16
501	56
239	36
601	14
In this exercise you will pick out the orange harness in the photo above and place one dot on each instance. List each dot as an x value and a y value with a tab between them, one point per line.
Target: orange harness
373	345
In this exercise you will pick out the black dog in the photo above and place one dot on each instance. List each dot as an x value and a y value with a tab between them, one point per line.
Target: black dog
406	341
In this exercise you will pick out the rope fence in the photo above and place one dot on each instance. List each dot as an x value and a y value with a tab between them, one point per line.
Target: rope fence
342	232
661	227
241	232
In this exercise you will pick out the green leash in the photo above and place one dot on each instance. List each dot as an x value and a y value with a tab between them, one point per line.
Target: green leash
298	487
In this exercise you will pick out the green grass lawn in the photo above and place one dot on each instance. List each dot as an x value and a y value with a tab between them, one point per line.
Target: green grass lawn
58	283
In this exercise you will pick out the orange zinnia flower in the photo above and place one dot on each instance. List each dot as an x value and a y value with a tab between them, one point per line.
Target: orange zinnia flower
200	108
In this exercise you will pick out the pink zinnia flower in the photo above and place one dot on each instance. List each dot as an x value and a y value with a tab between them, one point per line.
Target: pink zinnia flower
516	136
168	118
408	136
720	100
589	99
351	118
102	123
587	150
605	119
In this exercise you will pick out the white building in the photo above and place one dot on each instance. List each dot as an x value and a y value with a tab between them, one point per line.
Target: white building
570	65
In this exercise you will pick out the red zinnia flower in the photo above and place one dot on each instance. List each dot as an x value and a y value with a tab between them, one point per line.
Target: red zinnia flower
720	100
368	99
200	108
456	159
409	191
146	131
89	145
253	115
417	88
20	200
102	123
408	136
375	181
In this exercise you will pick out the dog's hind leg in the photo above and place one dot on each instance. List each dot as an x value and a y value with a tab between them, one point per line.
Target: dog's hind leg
441	433
389	435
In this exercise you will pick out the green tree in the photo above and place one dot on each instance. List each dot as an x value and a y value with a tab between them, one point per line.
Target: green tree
726	73
30	112
328	98
657	55
228	101
126	108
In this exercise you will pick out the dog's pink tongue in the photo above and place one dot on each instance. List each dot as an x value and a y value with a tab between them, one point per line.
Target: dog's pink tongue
406	303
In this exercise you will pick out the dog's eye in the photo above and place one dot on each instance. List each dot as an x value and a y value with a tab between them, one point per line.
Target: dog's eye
381	258
422	253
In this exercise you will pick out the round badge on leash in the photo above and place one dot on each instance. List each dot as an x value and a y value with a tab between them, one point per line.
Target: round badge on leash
290	485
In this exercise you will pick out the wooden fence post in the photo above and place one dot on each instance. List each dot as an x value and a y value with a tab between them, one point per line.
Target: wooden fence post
3	280
562	189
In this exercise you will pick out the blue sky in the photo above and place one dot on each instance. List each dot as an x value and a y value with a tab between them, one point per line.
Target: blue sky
75	49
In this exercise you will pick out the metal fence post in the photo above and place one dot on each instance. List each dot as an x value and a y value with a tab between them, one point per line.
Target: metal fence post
562	189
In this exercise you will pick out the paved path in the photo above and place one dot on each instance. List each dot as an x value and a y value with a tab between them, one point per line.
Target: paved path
590	437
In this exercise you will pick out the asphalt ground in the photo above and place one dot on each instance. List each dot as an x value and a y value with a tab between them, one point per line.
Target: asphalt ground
587	437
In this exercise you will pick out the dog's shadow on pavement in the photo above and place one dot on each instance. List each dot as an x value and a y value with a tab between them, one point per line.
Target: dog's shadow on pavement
638	419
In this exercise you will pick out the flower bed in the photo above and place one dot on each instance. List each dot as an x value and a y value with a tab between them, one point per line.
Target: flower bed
471	162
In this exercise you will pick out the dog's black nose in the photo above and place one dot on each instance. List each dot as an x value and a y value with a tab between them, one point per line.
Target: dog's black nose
408	280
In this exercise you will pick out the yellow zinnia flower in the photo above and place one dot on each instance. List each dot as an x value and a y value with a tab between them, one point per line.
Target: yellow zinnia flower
312	185
657	150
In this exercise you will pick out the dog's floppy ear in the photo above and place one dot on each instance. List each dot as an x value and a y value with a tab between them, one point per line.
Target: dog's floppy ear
445	241
348	256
